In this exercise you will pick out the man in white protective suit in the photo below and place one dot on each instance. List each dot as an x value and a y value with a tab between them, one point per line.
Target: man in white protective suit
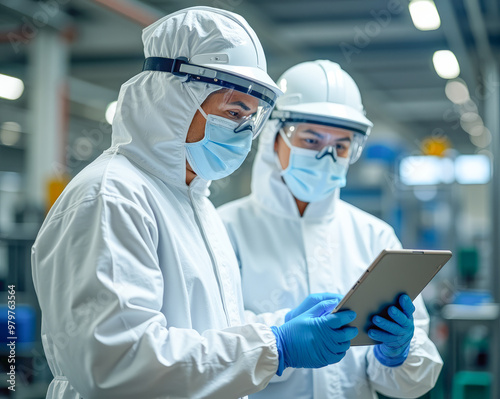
135	275
293	236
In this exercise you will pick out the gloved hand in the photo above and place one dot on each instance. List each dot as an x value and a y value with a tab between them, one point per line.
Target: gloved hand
316	338
396	335
310	301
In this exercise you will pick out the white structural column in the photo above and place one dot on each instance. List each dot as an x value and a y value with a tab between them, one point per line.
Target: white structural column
491	78
491	97
46	155
492	122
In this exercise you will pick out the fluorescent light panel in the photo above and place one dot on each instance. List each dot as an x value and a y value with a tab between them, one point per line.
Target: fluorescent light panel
457	92
425	170
110	112
446	64
472	169
424	14
10	88
431	170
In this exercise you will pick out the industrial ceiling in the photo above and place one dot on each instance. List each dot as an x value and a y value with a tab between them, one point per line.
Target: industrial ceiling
374	40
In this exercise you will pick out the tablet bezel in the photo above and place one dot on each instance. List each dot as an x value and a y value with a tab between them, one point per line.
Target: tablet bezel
384	280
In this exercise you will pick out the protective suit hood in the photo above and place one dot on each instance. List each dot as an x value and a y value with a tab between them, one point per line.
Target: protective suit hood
154	109
271	191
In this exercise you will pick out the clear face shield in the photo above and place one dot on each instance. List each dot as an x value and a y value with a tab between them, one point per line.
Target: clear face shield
325	140
242	100
248	112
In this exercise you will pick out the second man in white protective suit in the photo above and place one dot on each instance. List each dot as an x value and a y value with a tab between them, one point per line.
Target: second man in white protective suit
293	237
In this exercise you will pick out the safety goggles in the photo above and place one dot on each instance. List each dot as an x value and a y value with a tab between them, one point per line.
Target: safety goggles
244	101
359	128
325	140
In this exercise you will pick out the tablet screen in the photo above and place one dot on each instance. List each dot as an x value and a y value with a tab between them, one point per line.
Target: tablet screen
392	273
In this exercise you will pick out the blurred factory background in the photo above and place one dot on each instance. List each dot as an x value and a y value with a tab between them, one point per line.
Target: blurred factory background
429	78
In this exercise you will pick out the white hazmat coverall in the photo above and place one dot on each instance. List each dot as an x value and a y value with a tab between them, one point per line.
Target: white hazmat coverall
284	257
135	275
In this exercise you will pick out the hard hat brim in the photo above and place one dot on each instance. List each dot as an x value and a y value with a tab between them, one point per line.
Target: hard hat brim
328	113
250	73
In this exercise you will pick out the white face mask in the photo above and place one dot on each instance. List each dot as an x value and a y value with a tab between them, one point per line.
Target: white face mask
311	179
222	150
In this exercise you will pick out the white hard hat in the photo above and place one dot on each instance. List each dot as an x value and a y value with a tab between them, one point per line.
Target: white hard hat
212	46
322	92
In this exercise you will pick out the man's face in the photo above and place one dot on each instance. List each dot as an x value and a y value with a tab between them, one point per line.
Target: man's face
313	137
229	104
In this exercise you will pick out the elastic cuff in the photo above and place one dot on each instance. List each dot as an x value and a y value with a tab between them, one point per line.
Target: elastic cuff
390	361
281	362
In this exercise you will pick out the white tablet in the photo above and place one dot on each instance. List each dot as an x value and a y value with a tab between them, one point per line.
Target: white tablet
392	273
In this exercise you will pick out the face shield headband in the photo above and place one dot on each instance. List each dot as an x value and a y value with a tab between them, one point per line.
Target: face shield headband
181	67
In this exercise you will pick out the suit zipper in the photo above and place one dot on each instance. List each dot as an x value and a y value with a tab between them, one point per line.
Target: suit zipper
212	256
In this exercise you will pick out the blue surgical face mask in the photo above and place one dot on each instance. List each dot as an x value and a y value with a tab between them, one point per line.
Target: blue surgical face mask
311	179
221	151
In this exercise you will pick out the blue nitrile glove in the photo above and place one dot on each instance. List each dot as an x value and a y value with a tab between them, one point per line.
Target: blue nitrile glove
397	333
310	301
316	338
